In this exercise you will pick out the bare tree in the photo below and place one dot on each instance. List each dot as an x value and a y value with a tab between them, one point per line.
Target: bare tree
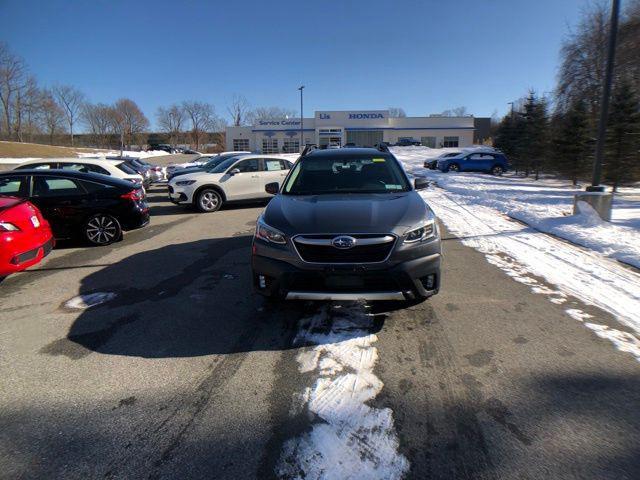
171	120
238	109
52	115
71	100
13	79
268	113
202	117
397	112
129	121
455	112
98	118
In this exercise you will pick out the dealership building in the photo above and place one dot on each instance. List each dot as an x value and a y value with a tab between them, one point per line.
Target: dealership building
361	127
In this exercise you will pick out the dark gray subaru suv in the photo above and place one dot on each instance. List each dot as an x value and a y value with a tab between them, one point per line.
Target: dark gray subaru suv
346	224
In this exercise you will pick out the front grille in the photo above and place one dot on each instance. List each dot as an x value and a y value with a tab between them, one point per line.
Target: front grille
371	253
25	257
47	247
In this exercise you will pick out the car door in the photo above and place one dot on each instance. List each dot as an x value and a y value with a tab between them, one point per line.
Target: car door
63	202
275	169
246	183
472	163
15	185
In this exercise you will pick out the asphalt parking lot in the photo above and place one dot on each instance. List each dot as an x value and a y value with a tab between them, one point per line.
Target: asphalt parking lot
185	373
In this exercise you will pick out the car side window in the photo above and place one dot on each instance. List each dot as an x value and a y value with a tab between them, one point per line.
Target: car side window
251	165
12	185
273	164
84	168
475	156
45	187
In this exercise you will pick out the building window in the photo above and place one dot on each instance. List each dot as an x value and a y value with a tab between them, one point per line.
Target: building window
291	146
270	145
240	144
450	142
364	138
428	142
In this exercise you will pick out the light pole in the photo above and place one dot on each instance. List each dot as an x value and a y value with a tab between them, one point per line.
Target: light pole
301	88
604	101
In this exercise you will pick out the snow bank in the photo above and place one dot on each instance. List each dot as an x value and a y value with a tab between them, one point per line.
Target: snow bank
546	205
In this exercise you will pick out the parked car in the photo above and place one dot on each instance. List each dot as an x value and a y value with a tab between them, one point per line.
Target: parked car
25	236
433	163
238	178
347	225
113	168
156	172
407	142
95	207
210	161
495	163
161	147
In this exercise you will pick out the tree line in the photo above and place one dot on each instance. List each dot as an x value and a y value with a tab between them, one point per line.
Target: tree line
556	134
63	115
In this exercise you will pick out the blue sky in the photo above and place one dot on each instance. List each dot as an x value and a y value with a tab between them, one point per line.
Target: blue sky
424	56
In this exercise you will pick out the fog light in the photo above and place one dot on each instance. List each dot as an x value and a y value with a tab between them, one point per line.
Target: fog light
262	281
428	281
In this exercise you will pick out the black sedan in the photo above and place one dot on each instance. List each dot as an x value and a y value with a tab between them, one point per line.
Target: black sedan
86	205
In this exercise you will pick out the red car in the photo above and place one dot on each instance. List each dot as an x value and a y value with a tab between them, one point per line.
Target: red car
25	236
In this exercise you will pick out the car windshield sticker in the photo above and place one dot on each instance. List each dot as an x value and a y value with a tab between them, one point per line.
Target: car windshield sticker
393	187
378	160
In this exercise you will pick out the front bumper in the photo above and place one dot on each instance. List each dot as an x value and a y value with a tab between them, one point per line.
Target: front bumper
177	196
415	278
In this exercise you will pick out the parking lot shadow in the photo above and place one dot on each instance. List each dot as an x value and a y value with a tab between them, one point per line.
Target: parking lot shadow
182	300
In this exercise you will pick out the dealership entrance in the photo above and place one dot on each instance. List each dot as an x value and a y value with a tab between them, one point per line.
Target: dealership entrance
330	136
364	138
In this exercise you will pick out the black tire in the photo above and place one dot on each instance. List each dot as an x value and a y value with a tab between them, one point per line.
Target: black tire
208	200
497	170
454	167
102	229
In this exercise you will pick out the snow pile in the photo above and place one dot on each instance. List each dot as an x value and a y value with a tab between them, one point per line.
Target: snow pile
546	205
350	439
16	161
527	255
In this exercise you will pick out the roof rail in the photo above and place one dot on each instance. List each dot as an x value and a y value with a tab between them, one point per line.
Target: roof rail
382	147
308	148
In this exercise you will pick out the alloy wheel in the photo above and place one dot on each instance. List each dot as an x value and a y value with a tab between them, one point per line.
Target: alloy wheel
209	201
102	229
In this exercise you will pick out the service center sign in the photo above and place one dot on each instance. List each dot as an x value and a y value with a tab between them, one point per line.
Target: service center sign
357	118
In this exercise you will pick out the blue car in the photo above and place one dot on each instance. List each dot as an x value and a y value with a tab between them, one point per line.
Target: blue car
494	163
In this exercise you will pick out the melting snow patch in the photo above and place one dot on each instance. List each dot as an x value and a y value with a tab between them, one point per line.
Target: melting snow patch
624	341
350	439
89	300
578	314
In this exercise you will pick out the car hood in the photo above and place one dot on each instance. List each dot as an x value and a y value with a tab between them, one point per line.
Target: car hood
187	170
346	213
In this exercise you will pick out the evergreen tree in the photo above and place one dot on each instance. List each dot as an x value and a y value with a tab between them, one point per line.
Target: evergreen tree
572	142
509	138
623	137
535	137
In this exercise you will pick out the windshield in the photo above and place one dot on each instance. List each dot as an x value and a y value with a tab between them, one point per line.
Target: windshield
367	174
126	169
217	160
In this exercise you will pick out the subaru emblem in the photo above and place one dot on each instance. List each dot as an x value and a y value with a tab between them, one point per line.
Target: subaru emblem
344	242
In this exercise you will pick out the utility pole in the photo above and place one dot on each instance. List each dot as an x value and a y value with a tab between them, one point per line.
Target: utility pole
604	101
301	88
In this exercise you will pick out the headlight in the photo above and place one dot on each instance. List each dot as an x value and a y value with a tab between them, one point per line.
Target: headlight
423	232
184	183
269	234
8	227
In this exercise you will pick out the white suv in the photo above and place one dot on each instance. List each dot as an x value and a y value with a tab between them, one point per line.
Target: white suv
236	179
113	168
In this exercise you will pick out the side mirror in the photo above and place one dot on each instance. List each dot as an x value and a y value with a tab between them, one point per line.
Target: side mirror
272	188
420	183
235	171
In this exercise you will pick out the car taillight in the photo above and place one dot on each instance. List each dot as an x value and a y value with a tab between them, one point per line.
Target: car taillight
133	195
8	227
157	169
